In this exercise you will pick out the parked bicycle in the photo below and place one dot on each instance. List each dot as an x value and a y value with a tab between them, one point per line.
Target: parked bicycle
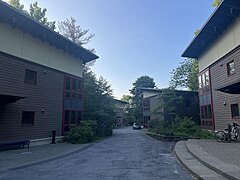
232	133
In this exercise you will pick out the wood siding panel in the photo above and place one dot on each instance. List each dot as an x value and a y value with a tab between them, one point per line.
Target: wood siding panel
47	94
219	78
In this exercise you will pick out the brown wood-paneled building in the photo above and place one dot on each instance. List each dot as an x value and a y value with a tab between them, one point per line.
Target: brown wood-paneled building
40	78
217	49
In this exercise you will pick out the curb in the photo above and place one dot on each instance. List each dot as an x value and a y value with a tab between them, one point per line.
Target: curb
184	165
169	138
210	163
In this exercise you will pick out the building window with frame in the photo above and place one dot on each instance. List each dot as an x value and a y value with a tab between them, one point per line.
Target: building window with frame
235	110
28	117
230	68
30	77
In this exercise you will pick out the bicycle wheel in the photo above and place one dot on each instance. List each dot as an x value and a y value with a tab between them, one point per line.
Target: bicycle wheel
221	136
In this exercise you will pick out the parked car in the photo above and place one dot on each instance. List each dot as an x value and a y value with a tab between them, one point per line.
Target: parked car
136	126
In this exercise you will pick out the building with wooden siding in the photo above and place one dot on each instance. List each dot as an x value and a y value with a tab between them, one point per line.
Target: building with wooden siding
152	97
120	112
217	49
40	78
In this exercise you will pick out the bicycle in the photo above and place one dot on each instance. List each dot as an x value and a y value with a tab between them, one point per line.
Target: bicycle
230	134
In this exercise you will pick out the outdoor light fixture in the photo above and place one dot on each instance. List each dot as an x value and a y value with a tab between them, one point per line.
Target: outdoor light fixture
224	103
42	110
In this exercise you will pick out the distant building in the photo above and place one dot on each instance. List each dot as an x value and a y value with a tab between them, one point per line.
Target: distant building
217	49
120	113
40	78
151	97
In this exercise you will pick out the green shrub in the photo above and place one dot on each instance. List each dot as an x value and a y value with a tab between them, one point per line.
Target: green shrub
181	127
83	133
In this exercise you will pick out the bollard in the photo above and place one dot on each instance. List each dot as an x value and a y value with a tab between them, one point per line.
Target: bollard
53	136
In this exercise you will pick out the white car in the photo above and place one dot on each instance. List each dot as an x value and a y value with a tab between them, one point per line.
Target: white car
136	126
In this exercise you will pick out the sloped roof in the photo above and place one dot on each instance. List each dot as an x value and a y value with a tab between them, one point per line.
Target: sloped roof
223	16
27	24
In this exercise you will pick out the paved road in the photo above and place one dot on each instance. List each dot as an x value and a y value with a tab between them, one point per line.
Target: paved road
127	155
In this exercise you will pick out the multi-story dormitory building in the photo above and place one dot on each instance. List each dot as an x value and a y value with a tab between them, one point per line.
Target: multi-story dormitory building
217	49
40	78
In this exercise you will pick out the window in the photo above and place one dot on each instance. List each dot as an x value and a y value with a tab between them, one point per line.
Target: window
27	118
67	115
235	110
73	117
68	83
230	68
207	78
30	77
200	81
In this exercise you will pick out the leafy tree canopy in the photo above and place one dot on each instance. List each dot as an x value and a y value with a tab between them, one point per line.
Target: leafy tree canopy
136	103
185	75
216	3
143	81
99	104
35	12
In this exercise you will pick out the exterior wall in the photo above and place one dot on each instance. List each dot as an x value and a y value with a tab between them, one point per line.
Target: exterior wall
147	94
120	114
189	107
219	77
22	45
47	94
228	41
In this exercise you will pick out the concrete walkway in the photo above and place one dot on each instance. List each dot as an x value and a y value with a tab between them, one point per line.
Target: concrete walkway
16	159
209	159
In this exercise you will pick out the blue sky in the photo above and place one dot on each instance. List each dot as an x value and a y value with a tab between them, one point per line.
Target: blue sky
134	37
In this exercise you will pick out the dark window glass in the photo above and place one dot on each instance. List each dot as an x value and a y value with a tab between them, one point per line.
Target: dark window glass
66	128
66	118
235	110
205	112
28	117
231	68
79	116
73	117
68	94
68	83
209	110
79	96
67	104
30	77
202	112
79	85
74	95
74	84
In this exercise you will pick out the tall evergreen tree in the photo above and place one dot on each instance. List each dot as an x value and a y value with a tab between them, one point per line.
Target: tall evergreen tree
143	81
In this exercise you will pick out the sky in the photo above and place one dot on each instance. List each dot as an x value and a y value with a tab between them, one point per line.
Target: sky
134	37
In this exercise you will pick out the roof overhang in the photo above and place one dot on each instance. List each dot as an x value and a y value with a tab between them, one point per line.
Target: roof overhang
223	16
9	98
18	19
231	88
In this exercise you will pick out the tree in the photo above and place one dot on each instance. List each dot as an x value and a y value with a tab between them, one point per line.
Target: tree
35	12
185	75
216	3
165	109
126	98
129	109
99	104
141	82
74	32
16	4
39	14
